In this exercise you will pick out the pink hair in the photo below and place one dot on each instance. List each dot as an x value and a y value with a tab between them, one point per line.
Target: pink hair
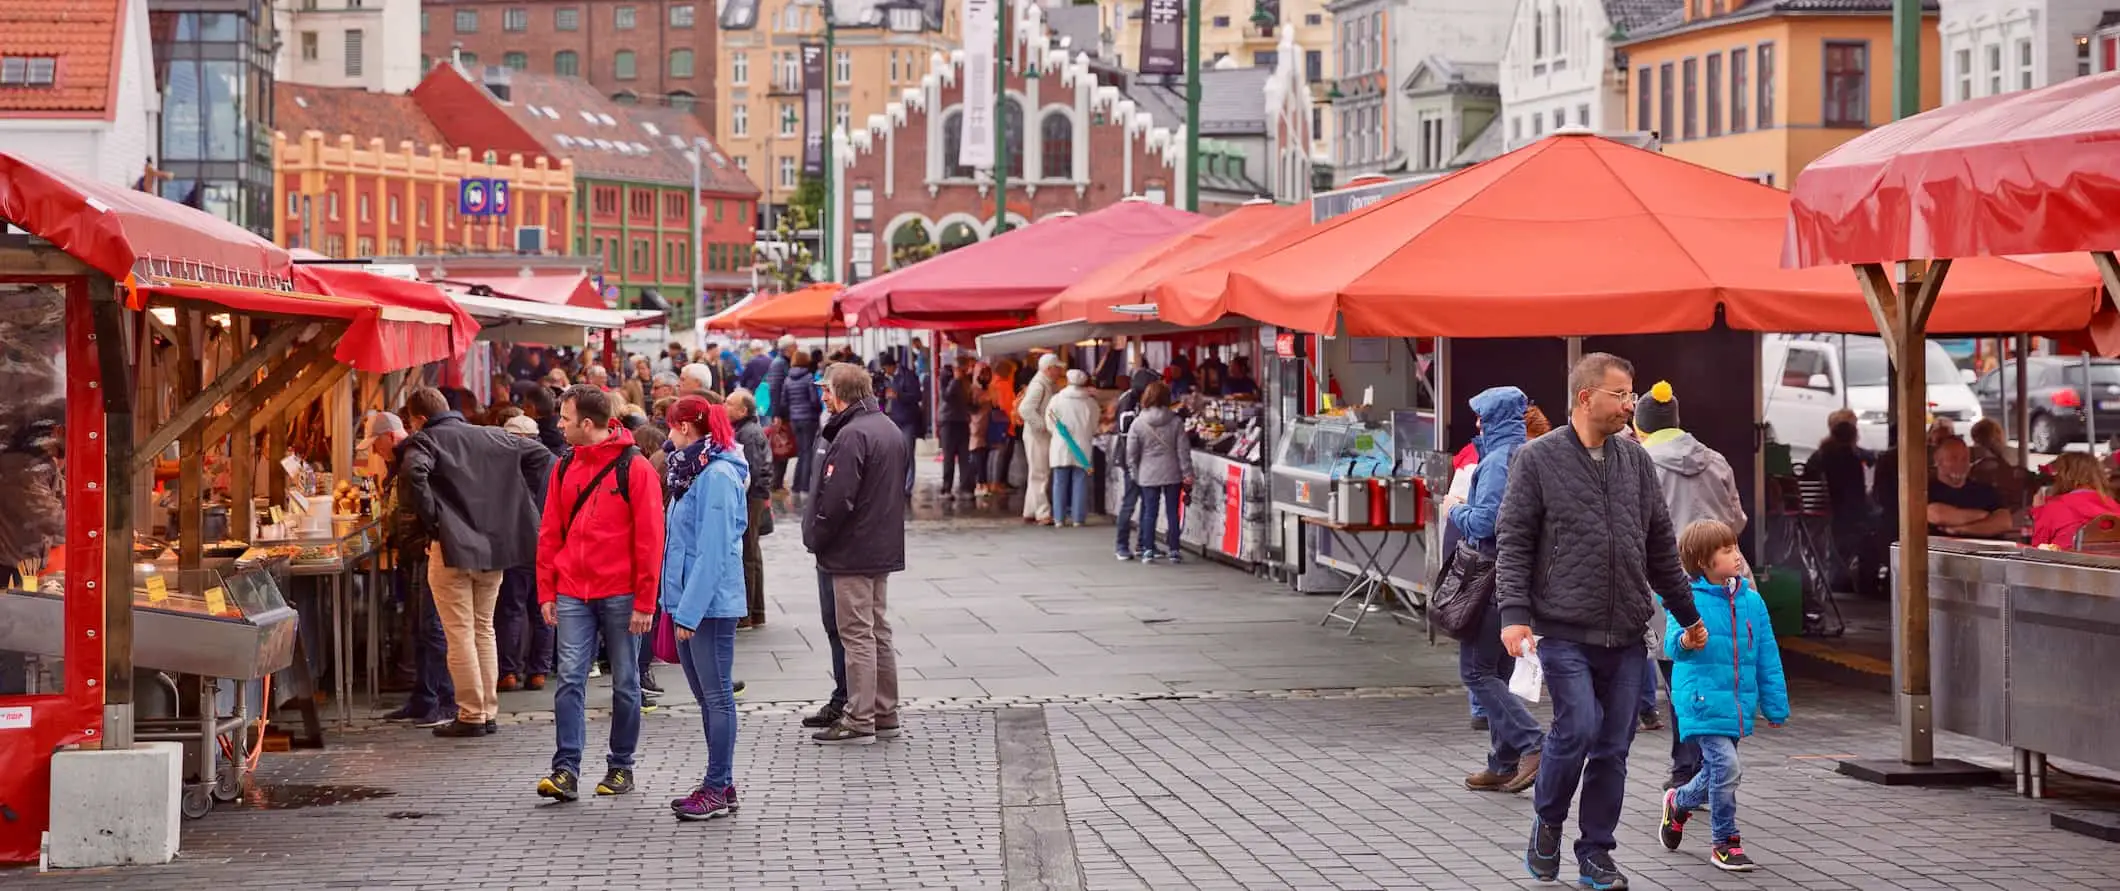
719	430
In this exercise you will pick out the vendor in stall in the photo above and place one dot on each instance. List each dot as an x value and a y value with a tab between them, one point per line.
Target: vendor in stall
1239	383
1960	505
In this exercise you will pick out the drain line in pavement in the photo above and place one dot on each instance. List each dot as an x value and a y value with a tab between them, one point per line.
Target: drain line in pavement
1037	848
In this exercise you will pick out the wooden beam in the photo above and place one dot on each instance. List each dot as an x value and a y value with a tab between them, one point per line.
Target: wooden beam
1924	298
1883	299
2108	269
1911	582
305	360
191	469
192	413
118	517
242	462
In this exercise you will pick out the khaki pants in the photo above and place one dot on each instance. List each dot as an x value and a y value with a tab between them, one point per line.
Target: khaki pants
872	666
1038	488
465	601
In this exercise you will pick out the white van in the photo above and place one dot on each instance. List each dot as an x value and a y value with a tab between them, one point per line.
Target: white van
1809	376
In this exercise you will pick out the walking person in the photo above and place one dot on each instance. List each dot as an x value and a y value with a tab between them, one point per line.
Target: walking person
757	455
526	642
1583	534
855	524
1038	438
953	430
433	700
1514	740
1161	465
1072	416
804	415
773	402
1124	413
703	583
1729	684
834	708
599	568
472	489
906	404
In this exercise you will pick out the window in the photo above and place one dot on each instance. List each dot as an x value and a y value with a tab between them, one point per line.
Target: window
331	206
842	67
1689	121
515	19
397	247
952	142
624	18
1804	363
1516	130
681	16
1317	121
739	69
789	122
1560	118
1313	19
1056	146
1313	65
1994	68
1714	87
606	200
1962	73
743	164
1765	106
467	21
740	120
309	46
787	172
1644	99
2024	63
842	117
1221	21
681	100
894	66
1431	141
1847	86
394	215
470	60
1538	34
567	62
426	24
517	61
363	205
365	245
1739	57
1666	101
623	65
680	63
642	255
642	204
566	18
1582	114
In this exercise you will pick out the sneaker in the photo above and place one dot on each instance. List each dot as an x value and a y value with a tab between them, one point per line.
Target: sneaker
1175	558
890	729
824	717
1730	857
729	795
1526	774
1123	556
1599	873
842	735
432	721
736	689
1479	723
745	624
493	727
1487	781
560	786
1542	857
596	669
648	687
679	801
536	682
509	683
702	804
617	781
1672	831
1651	720
461	729
402	714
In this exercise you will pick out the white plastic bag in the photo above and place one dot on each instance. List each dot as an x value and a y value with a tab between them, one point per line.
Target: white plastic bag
1528	678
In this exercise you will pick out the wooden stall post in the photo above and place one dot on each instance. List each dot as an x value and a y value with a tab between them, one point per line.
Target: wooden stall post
119	480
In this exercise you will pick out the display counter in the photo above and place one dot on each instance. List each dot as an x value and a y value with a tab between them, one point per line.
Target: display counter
239	626
1326	469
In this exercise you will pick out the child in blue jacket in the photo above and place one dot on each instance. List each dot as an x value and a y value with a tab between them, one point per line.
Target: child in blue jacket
1721	690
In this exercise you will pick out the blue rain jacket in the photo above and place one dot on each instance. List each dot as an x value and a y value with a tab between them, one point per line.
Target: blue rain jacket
1501	411
702	576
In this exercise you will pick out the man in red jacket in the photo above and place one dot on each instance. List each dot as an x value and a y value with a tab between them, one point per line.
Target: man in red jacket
599	565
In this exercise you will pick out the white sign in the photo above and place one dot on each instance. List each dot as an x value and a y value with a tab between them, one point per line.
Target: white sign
14	717
975	145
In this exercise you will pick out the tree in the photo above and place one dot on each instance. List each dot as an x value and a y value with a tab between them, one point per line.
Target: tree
785	261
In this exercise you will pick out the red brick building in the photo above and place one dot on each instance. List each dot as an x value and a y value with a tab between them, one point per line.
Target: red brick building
638	52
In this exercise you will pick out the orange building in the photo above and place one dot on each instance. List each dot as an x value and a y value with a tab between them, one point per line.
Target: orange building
360	174
1759	88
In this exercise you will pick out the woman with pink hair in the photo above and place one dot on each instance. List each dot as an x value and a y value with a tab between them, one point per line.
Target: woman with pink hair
703	590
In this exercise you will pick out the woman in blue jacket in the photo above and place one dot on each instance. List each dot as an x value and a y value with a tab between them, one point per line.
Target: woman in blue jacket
703	583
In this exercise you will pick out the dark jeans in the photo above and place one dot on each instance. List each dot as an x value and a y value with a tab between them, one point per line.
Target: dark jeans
1127	502
981	457
955	439
1595	691
433	693
830	605
912	447
526	642
1484	666
1685	753
1004	456
805	453
1168	497
706	659
754	560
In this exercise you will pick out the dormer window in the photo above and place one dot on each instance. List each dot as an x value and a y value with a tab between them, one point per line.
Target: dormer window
28	71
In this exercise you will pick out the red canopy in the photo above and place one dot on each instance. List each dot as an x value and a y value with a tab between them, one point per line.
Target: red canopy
1133	280
568	289
119	231
804	311
998	283
726	320
1579	235
391	323
2022	173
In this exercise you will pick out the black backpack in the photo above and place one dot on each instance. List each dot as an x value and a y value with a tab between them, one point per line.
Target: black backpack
625	494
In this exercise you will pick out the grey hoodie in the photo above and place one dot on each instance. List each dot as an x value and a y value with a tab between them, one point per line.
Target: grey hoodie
1155	448
1698	484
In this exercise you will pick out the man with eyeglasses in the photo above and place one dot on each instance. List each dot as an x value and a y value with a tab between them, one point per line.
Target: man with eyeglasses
1583	535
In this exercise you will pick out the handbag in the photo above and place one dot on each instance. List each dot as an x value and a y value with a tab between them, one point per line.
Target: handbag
665	642
1466	593
781	439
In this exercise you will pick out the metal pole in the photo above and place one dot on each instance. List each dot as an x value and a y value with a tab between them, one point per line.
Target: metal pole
1001	147
699	234
825	244
1192	106
1906	59
2020	413
2090	410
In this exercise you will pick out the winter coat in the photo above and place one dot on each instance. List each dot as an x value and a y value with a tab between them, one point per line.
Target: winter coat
702	569
2058	520
908	407
754	372
758	454
956	405
1076	409
855	519
1578	547
1698	485
1724	688
474	489
776	387
1030	407
613	547
1501	413
803	405
1155	448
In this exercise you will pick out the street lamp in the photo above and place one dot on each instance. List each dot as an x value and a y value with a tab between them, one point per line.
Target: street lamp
895	16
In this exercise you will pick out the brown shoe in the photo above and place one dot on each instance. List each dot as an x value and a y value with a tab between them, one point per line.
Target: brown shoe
743	624
1487	781
536	682
1526	774
509	684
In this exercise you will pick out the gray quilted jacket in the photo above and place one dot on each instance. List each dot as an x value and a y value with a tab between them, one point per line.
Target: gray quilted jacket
1579	546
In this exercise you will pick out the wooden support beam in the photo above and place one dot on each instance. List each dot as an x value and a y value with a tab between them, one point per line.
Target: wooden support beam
191	467
192	413
242	462
305	362
2108	269
115	361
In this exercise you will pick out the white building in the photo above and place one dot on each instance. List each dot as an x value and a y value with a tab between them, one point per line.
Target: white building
1559	68
77	87
370	44
1377	46
2002	46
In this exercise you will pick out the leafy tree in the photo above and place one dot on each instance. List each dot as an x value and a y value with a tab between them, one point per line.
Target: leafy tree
791	269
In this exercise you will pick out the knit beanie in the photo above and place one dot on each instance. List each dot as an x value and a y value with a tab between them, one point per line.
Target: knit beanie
1657	409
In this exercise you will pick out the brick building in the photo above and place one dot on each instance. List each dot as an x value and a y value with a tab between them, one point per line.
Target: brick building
637	52
634	180
360	174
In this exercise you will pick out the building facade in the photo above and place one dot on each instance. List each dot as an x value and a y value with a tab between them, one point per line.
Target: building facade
77	87
635	52
1560	70
214	68
2101	52
1378	45
1761	89
368	44
1247	34
2002	46
1451	104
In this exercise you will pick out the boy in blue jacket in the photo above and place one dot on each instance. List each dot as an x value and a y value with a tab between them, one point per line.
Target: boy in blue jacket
1721	690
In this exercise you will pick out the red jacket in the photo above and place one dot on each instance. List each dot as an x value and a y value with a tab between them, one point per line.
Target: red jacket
611	549
2057	521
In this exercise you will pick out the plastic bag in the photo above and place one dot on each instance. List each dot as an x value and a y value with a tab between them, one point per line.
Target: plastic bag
1529	678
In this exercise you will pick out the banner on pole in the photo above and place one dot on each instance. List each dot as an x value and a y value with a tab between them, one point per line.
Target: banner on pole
975	143
814	119
1162	37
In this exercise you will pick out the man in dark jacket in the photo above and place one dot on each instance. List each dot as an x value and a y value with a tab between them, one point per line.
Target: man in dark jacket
855	524
758	498
543	407
1583	535
776	379
953	429
906	404
1123	413
472	488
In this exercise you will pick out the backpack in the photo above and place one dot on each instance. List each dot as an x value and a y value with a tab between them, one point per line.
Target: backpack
625	494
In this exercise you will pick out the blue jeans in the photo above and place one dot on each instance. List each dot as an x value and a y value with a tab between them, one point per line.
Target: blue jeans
805	453
1595	690
433	693
1648	703
1070	495
830	606
581	624
708	659
1127	502
1512	732
1167	496
1715	787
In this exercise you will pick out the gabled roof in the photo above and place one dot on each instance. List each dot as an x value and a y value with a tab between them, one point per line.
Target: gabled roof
610	140
83	38
1447	73
1629	16
1674	19
1232	101
1487	146
352	111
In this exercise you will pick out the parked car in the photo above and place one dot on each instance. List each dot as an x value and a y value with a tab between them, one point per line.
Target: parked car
1809	376
2058	397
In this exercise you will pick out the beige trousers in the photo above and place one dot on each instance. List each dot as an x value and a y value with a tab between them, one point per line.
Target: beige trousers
464	602
858	603
1038	487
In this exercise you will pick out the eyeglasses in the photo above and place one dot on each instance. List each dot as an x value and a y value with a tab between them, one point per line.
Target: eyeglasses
1621	395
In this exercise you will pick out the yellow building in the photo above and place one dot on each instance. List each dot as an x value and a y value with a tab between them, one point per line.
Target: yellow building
1760	88
1229	36
760	77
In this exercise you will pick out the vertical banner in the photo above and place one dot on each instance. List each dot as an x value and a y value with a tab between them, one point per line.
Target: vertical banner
1162	39
815	118
975	143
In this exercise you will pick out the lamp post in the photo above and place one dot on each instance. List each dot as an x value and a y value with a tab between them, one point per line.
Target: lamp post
897	17
1192	106
1001	153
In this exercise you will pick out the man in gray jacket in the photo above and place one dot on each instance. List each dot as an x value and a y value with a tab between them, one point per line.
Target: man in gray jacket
1583	536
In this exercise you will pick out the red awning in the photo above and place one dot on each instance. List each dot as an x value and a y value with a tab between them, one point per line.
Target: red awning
2022	173
1132	281
998	283
391	323
121	232
572	289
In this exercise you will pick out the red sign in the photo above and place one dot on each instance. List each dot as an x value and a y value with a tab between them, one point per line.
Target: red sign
1284	344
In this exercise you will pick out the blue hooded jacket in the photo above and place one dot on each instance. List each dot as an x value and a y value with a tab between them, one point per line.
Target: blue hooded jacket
1722	689
1501	412
702	576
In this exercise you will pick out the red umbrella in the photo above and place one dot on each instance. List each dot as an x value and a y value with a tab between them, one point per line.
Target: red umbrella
1133	280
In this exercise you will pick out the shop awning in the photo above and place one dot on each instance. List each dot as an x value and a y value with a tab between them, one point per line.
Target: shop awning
727	318
806	312
124	233
1054	334
1132	281
2022	173
570	289
391	323
523	321
999	283
1580	235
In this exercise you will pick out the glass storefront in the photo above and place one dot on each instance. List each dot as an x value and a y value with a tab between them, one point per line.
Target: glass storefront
214	67
32	465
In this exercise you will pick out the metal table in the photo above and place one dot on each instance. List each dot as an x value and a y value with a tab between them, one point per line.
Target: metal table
1371	584
359	544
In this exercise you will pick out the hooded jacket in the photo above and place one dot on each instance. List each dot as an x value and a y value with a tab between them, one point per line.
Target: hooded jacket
1155	448
1724	688
1698	485
906	402
474	489
775	402
2058	520
702	568
1126	411
804	406
1077	408
1501	413
611	548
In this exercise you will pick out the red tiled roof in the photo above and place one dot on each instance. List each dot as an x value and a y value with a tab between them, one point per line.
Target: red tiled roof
336	111
84	35
608	140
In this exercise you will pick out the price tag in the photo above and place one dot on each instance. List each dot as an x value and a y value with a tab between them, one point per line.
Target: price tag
29	583
278	517
157	589
216	600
